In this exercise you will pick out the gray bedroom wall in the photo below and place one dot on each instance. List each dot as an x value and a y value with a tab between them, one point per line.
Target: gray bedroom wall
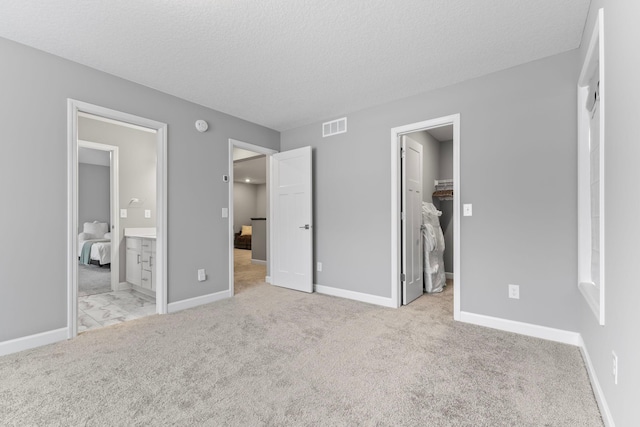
93	194
244	204
197	234
137	173
622	228
518	168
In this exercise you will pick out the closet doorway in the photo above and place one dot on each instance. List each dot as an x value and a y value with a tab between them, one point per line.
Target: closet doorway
135	220
249	177
426	178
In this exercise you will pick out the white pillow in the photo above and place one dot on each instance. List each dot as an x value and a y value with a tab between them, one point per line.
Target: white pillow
86	236
96	228
107	235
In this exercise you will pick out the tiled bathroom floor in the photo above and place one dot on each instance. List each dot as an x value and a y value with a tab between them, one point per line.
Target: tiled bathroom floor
96	311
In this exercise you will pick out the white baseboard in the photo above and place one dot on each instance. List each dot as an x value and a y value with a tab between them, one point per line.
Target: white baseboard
123	285
597	390
268	280
32	341
194	302
449	275
258	261
544	332
358	296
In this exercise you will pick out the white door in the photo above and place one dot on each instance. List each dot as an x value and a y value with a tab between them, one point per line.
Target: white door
291	227
412	259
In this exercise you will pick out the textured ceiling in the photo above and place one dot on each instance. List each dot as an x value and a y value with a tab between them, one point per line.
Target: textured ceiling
285	63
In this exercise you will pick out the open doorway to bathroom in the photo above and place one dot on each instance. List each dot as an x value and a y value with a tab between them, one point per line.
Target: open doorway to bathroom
117	251
116	285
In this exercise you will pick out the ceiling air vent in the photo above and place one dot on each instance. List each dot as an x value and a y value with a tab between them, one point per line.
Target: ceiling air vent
334	127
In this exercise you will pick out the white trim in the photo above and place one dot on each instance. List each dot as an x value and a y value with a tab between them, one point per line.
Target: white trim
593	62
357	296
258	149
74	107
528	329
116	122
197	301
454	120
258	261
114	202
33	341
267	279
450	276
605	412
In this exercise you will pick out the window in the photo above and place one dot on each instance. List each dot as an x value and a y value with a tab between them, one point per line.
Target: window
591	174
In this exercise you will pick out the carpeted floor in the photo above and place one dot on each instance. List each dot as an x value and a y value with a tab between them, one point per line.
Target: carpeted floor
245	274
271	356
93	279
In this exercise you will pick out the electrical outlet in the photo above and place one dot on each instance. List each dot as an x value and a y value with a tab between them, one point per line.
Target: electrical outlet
319	267
614	357
202	275
123	213
147	213
514	291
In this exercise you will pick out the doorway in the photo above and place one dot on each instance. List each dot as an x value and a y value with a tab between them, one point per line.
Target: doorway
249	231
137	174
431	151
98	201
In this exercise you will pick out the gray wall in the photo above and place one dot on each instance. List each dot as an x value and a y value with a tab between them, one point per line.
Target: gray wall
261	201
136	173
244	204
622	228
197	235
446	206
249	201
93	194
518	141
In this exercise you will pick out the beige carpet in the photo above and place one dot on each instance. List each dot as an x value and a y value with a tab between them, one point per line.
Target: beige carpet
272	356
246	275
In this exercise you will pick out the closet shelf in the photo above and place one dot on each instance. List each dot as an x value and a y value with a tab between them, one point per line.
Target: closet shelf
443	194
444	189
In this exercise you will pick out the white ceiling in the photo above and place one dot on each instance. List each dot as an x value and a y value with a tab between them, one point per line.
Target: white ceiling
253	169
285	63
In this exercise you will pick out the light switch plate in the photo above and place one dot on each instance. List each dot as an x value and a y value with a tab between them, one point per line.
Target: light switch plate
147	213
123	213
467	209
319	266
225	212
202	275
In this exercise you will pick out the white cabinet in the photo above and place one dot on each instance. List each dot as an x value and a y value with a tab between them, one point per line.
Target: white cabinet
141	262
134	260
148	264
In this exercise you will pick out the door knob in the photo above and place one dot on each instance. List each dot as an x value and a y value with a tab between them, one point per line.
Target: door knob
306	227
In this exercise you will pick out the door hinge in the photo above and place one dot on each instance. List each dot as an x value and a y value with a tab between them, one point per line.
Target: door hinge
403	277
403	216
402	153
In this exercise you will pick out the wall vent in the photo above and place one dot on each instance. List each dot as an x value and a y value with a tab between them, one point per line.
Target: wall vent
334	127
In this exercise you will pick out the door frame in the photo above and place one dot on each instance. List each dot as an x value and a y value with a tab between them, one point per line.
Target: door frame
73	108
114	203
396	179
268	152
